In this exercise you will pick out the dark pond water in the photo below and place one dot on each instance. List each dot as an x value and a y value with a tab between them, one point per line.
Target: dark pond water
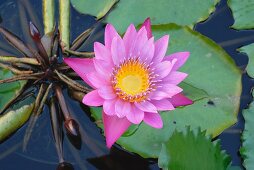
41	153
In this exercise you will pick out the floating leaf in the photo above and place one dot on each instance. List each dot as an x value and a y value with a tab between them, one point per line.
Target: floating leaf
193	150
243	12
249	50
13	120
183	12
96	8
214	83
248	138
9	90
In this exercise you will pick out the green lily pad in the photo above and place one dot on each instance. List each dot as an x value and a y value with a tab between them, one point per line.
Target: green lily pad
183	12
9	90
249	50
243	12
192	150
13	120
96	8
248	138
214	83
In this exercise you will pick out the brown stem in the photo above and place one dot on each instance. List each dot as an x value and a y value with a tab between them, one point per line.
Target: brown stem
21	77
16	42
57	129
80	39
10	59
75	85
80	54
14	70
63	105
39	103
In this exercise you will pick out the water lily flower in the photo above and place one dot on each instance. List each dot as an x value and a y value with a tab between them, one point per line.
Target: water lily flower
132	79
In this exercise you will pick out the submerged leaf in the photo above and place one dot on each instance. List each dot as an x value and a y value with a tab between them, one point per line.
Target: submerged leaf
13	120
193	150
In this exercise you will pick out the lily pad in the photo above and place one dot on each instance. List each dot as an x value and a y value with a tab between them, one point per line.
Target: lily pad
214	83
192	150
249	50
9	90
248	138
96	8
183	12
243	12
13	120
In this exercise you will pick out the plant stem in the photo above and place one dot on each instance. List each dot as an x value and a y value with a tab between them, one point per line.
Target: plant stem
80	54
14	70
10	59
64	25
48	15
80	39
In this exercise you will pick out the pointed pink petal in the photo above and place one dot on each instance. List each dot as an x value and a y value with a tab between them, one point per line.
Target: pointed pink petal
135	115
181	59
171	89
109	107
98	80
129	38
139	43
161	46
107	92
82	66
93	99
147	25
122	108
154	120
146	106
175	77
163	69
103	68
114	128
180	100
101	52
118	50
147	52
158	95
110	33
163	105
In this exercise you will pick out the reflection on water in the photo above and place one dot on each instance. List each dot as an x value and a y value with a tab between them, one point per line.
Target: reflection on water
41	152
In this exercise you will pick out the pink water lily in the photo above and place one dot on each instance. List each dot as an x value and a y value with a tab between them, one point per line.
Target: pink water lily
132	79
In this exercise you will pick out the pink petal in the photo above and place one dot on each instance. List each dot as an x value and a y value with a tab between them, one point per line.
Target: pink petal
175	77
161	46
146	106
154	120
107	92
118	50
139	43
135	115
109	107
114	128
147	52
171	89
181	59
147	25
163	68
101	52
93	99
180	100
110	33
98	80
129	38
103	68
82	66
163	105
158	95
122	108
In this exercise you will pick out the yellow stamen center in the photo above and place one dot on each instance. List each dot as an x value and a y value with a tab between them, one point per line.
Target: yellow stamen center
131	80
